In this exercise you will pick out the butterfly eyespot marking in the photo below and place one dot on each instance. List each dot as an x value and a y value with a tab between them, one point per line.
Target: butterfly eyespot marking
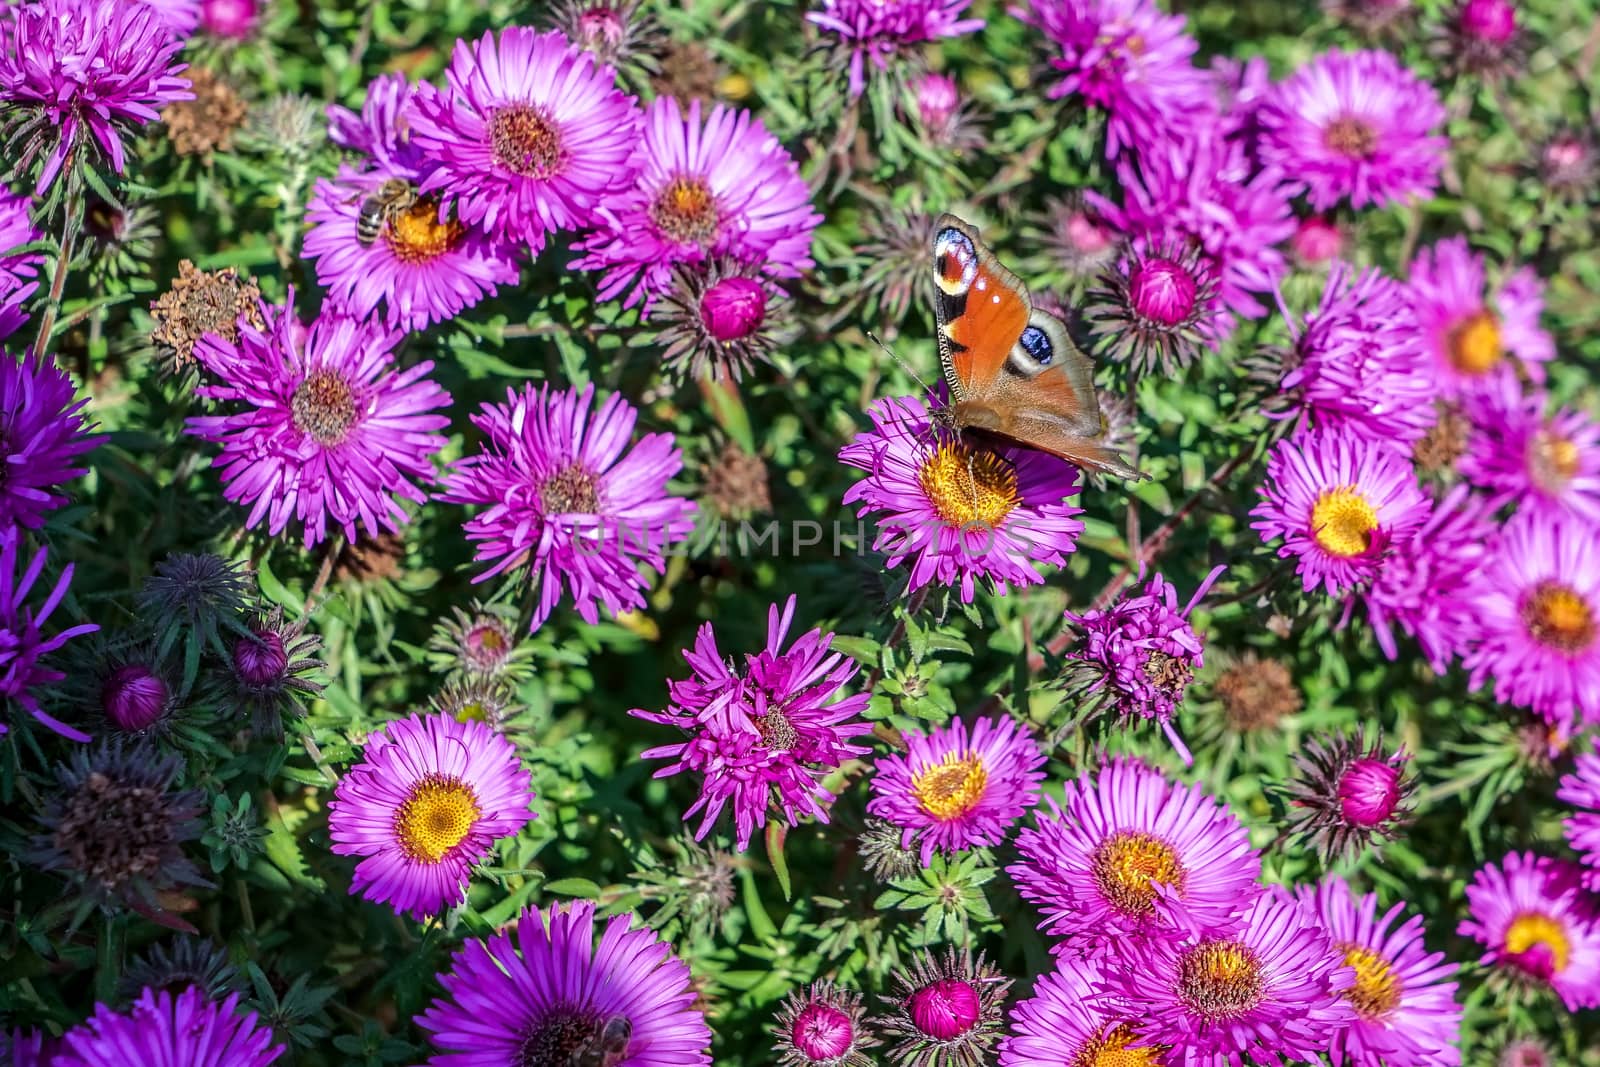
956	262
1038	345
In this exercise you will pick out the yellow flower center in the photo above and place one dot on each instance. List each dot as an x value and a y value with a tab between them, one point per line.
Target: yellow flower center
686	211
1558	617
1111	1050
952	787
1342	520
1221	979
1377	989
1352	137
969	487
1531	930
1475	343
1129	865
1552	461
437	815
416	235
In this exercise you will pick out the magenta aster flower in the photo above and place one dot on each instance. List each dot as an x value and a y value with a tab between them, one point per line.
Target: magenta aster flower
1340	504
180	17
1357	126
1525	458
1068	1021
1405	1008
822	1026
1130	60
43	437
954	791
424	806
162	1030
1469	326
1346	796
1537	609
544	992
1158	307
230	18
1127	853
1142	653
83	73
1418	588
1211	996
424	265
18	273
878	31
768	735
724	188
325	427
1358	361
566	497
1531	915
22	641
960	513
528	136
1581	789
946	1010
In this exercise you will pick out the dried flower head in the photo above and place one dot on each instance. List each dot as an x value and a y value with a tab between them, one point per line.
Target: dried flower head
1347	796
885	853
1445	442
1256	694
369	559
689	71
289	124
822	1026
202	302
207	123
477	699
735	482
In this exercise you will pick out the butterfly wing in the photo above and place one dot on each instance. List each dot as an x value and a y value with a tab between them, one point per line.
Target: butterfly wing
980	308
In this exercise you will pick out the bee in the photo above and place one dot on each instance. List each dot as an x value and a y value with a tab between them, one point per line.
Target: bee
607	1048
390	199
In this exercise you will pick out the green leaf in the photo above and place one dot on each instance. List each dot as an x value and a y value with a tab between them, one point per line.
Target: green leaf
574	887
776	832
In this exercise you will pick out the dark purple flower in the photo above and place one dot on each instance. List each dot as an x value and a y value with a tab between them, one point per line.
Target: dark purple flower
164	1029
18	273
42	434
22	643
134	697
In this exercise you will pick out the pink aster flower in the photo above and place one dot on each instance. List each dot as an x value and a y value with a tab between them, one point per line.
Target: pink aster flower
43	437
953	791
22	640
230	18
323	426
84	73
1212	996
1340	504
1581	789
18	273
1142	653
1405	1008
878	31
528	136
1531	915
566	497
1357	126
1418	589
163	1030
180	17
423	265
1130	60
960	513
766	736
1531	460
1469	326
424	806
1129	854
1537	610
1068	1021
724	187
1358	361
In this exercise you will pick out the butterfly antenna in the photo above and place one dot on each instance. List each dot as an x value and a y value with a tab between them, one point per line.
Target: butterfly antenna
908	368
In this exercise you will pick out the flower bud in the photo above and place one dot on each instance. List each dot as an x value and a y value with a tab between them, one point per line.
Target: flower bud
1162	290
1369	792
262	660
945	1009
134	697
1316	241
734	308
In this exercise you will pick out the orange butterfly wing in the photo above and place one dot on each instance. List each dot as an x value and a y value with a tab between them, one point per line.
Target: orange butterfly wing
980	307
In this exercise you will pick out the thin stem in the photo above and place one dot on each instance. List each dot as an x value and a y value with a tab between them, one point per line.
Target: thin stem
58	282
323	572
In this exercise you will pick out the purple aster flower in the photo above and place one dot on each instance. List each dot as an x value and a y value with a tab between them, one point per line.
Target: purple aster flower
325	427
1317	240
1346	796
1581	789
545	992
1357	126
722	188
1158	306
946	1010
1530	460
1537	610
163	1029
1469	327
1142	653
1531	915
1340	504
1212	996
30	1048
180	17
18	273
1067	1021
822	1026
424	806
528	136
422	264
1358	361
1130	60
954	791
1129	854
1405	1008
957	511
1206	190
1418	588
83	73
566	497
766	736
41	436
880	31
22	641
230	18
1242	88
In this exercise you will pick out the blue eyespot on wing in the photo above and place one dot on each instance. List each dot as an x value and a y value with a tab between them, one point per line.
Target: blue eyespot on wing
1037	344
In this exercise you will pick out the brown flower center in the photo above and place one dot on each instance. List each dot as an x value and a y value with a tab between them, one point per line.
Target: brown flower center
324	407
1350	136
1169	674
777	732
686	211
1256	693
114	831
1221	979
526	141
570	491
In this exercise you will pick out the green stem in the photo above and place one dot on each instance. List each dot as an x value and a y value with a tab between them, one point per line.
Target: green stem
58	280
